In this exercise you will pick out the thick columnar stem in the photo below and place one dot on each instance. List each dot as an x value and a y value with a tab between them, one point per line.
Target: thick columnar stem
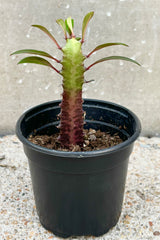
71	126
71	116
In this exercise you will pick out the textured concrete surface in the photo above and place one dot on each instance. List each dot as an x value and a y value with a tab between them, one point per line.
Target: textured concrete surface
133	22
140	218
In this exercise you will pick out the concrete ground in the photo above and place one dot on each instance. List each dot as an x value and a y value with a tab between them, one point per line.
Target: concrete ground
140	218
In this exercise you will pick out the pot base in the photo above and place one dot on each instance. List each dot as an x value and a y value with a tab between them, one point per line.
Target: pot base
94	233
65	235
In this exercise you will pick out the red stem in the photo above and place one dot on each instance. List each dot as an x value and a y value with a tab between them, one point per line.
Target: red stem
72	122
90	54
56	69
55	59
87	68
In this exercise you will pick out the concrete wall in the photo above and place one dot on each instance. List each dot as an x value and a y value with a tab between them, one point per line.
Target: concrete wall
135	22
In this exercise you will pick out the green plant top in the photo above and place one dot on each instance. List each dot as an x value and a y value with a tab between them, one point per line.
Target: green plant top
73	69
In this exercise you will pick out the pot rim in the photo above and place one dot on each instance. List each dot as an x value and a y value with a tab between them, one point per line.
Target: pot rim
85	154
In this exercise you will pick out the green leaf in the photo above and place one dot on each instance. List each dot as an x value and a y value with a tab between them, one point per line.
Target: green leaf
113	58
48	33
38	60
69	23
37	52
86	20
105	45
78	38
63	26
72	23
67	28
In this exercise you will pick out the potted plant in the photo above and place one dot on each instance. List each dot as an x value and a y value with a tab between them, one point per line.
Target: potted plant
77	191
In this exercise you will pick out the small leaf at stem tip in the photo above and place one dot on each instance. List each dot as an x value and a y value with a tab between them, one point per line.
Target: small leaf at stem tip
63	26
86	20
70	25
37	52
48	33
72	21
113	58
106	45
78	38
67	28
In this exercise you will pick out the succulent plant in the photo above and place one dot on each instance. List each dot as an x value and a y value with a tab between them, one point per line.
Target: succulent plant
73	69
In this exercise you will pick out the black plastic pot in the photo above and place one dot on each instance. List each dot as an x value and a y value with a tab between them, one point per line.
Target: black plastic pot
79	193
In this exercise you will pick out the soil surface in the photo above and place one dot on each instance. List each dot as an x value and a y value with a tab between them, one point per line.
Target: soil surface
93	140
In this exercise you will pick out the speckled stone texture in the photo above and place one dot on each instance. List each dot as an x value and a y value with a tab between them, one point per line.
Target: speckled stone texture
140	218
